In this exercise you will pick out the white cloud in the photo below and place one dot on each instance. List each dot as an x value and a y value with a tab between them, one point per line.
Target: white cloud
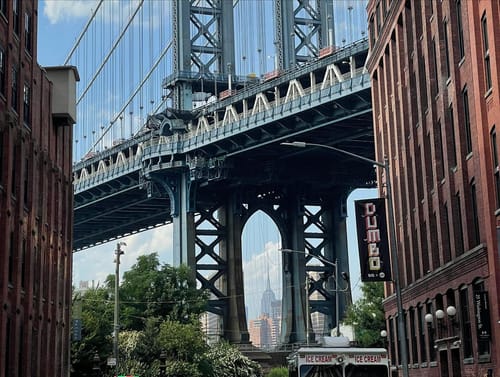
57	10
96	263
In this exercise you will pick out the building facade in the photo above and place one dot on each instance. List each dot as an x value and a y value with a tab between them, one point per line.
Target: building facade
35	201
435	92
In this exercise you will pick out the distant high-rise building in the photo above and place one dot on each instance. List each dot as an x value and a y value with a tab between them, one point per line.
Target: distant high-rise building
37	113
211	326
265	330
435	68
268	298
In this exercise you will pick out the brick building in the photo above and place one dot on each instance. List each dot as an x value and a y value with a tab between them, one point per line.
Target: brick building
37	111
435	90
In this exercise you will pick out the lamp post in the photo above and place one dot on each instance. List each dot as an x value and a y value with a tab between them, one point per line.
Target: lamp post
163	363
337	290
96	368
116	325
394	253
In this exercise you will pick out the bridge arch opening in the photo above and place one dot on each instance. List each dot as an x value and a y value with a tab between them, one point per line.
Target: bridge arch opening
262	274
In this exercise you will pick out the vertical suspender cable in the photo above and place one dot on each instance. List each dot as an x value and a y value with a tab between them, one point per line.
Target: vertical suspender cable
141	84
110	52
132	57
77	43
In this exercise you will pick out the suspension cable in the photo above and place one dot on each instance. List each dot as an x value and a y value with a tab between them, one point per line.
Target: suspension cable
135	92
109	53
80	37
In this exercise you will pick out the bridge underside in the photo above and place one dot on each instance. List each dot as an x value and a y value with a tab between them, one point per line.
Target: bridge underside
130	203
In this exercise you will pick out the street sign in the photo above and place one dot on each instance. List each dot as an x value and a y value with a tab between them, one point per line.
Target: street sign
77	329
111	361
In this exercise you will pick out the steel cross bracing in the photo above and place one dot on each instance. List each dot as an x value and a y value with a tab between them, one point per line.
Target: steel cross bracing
303	29
209	170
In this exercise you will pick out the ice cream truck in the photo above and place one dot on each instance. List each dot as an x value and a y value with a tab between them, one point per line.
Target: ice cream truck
339	362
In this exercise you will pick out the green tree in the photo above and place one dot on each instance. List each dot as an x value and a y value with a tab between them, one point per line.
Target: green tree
184	345
367	315
228	361
278	372
150	290
97	327
160	308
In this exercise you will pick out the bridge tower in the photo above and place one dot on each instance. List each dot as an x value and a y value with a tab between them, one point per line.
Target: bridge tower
303	28
208	224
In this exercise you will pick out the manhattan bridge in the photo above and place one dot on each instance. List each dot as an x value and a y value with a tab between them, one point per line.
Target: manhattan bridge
183	107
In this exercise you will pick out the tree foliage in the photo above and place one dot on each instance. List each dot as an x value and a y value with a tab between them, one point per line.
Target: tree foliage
228	361
150	290
160	308
96	313
278	372
367	315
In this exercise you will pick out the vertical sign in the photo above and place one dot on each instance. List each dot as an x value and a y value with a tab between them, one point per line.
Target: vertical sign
483	324
373	243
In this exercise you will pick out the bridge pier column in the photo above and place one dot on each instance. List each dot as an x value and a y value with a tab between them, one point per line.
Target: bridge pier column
235	326
293	323
180	192
317	230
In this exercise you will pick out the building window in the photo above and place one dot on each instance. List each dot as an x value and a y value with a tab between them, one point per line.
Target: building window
15	16
475	215
15	154
421	333
36	272
466	325
11	259
435	66
26	182
20	351
486	51
27	32
447	49
460	29
458	228
414	337
23	264
3	7
378	18
496	169
447	246
3	63
441	171
468	136
27	104
392	343
372	32
431	332
451	115
14	88
7	348
1	158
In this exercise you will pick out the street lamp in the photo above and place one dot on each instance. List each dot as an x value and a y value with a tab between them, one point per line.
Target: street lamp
116	326
394	253
96	368
337	290
163	363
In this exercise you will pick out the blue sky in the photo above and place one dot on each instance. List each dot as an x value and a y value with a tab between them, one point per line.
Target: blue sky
59	25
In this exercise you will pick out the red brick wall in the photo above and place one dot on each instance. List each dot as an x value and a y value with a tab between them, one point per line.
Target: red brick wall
443	247
36	207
